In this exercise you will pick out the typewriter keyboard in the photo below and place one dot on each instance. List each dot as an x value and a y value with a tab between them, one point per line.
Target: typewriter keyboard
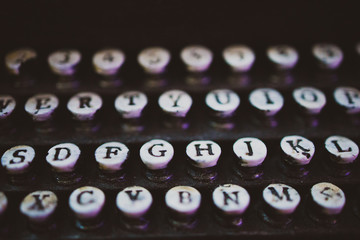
243	142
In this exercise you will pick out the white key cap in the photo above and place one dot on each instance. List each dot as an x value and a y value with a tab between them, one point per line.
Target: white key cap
41	106
328	55
203	153
223	102
175	103
183	200
250	151
267	100
239	57
7	106
156	154
84	105
134	202
342	149
3	203
310	99
108	61
328	197
283	56
111	156
196	58
15	59
87	202
299	150
18	159
154	59
231	199
39	206
348	98
64	62
63	157
131	104
282	198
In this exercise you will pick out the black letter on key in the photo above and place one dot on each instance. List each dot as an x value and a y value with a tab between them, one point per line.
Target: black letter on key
198	149
305	151
268	100
227	197
131	98
284	192
109	152
314	96
85	102
78	199
132	196
219	101
162	152
3	104
38	202
184	199
57	153
248	144
176	100
335	142
40	102
16	154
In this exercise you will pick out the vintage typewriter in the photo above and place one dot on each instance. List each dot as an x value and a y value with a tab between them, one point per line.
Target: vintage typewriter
179	120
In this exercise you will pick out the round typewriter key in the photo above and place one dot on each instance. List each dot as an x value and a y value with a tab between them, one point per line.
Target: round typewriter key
310	99
63	157
342	149
111	156
16	59
18	159
154	59
203	153
39	208
239	57
108	61
250	151
175	103
329	56
3	203
131	104
41	106
7	106
196	58
84	105
87	203
64	62
156	154
222	102
298	150
266	100
283	56
348	98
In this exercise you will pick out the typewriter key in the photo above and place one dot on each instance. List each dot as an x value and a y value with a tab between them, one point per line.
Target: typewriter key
282	56
183	203
131	104
87	203
7	106
39	207
156	155
63	158
329	56
348	98
134	204
239	57
64	62
231	202
281	202
267	101
196	58
222	102
154	59
311	100
175	103
16	60
111	157
342	149
84	105
3	204
17	162
108	61
250	153
41	107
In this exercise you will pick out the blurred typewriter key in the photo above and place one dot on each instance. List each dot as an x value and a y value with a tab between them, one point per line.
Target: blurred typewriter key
17	60
131	104
267	101
64	62
17	162
41	107
281	202
87	204
203	156
63	159
311	100
282	56
250	153
154	60
298	152
222	102
7	106
111	157
3	205
348	98
84	105
134	203
326	203
175	103
39	207
231	202
156	155
342	150
329	56
196	58
183	203
239	57
107	62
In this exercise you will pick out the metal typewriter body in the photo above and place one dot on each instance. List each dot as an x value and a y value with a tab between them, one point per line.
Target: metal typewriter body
173	25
